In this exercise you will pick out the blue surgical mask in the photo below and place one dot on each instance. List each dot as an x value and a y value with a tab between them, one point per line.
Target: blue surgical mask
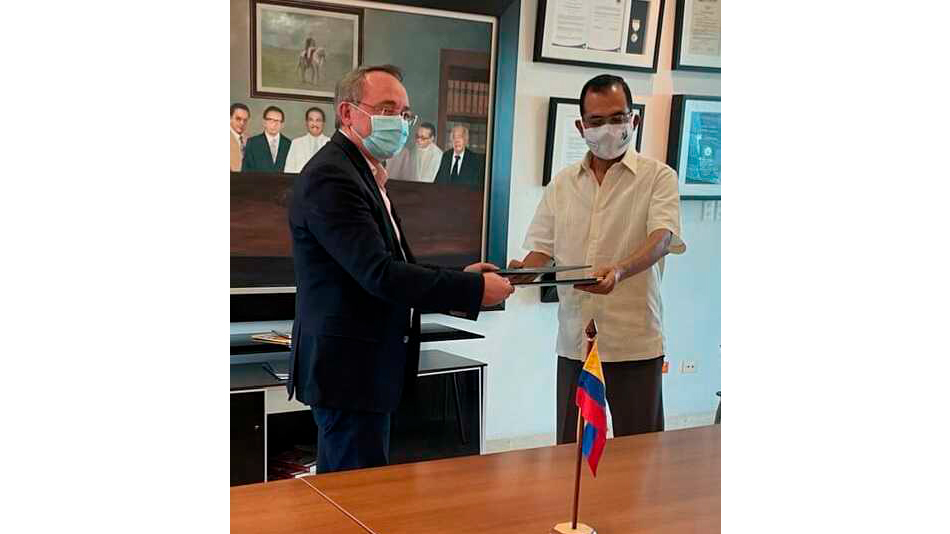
389	135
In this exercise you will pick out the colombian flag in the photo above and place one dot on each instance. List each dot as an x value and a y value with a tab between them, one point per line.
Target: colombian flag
591	401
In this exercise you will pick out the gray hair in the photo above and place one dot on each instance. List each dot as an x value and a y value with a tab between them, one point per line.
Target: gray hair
350	87
463	129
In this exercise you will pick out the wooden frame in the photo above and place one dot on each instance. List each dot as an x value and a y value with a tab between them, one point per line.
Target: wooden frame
556	131
700	175
277	303
638	42
292	83
684	39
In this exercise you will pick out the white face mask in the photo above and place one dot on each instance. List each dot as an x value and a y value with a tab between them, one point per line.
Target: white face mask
609	141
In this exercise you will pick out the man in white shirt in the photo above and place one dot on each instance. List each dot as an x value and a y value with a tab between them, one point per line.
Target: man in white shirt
428	155
304	147
419	163
618	211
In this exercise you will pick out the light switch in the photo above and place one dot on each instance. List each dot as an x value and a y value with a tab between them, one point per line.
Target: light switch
709	210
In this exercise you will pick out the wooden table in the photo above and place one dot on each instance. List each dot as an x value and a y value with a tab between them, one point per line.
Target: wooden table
659	482
285	507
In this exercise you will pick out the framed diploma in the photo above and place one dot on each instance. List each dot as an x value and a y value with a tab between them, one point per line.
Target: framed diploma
616	34
697	38
564	145
695	146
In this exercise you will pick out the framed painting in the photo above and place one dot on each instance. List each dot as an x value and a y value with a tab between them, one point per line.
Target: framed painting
564	145
615	34
695	146
299	50
697	37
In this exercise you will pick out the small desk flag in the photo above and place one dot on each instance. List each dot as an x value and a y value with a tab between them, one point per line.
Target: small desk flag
591	401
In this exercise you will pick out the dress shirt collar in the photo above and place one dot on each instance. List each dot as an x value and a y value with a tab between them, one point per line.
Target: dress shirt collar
379	172
629	161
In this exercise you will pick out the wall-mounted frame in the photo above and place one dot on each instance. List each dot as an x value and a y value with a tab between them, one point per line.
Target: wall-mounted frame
615	34
695	146
697	37
260	300
564	145
299	50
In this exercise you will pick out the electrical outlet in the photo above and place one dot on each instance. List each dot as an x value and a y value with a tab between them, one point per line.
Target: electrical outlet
688	366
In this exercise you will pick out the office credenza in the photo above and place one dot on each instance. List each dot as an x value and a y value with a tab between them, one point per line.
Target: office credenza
442	417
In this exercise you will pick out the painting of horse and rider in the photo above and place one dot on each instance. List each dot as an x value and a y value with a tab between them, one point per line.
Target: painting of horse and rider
302	50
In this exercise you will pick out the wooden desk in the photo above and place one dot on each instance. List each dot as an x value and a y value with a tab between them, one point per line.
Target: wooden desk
288	506
659	482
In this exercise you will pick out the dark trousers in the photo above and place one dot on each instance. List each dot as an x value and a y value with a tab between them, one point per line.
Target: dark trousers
348	439
634	393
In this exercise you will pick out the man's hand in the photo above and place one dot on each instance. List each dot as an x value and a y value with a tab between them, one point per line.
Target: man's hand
522	278
497	289
481	267
610	275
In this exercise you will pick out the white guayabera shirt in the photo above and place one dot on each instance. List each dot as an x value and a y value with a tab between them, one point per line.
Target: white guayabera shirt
579	222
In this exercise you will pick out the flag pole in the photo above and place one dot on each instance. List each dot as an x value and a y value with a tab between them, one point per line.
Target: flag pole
577	470
561	528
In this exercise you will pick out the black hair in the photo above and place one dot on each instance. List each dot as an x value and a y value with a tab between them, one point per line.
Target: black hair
600	84
274	108
428	126
238	105
318	110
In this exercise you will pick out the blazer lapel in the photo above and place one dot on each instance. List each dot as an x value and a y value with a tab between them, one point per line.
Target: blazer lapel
362	167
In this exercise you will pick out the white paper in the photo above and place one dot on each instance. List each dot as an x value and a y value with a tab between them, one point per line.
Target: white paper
570	22
606	25
704	28
592	24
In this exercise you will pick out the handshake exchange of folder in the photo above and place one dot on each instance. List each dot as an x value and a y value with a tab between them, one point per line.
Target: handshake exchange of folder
528	276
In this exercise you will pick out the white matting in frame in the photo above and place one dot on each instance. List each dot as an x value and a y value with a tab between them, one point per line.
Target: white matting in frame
621	34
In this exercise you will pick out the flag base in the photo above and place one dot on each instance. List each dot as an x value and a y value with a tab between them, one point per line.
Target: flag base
565	528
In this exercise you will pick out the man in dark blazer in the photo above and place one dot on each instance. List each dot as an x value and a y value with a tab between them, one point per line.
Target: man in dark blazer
359	290
460	165
268	151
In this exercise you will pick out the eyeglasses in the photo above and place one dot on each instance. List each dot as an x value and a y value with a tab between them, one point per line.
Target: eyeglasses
618	118
407	115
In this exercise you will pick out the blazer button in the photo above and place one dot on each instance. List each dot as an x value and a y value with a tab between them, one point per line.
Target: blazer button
405	339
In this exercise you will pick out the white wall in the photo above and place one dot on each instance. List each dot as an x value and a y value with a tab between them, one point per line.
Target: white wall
519	344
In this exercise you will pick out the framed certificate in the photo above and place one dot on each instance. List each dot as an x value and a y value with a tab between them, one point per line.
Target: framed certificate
695	146
564	145
697	38
616	34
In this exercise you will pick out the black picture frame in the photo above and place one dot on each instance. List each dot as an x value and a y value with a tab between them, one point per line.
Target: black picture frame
317	8
540	40
554	129
679	39
678	129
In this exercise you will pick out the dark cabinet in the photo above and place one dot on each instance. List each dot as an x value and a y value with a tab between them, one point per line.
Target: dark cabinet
247	437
